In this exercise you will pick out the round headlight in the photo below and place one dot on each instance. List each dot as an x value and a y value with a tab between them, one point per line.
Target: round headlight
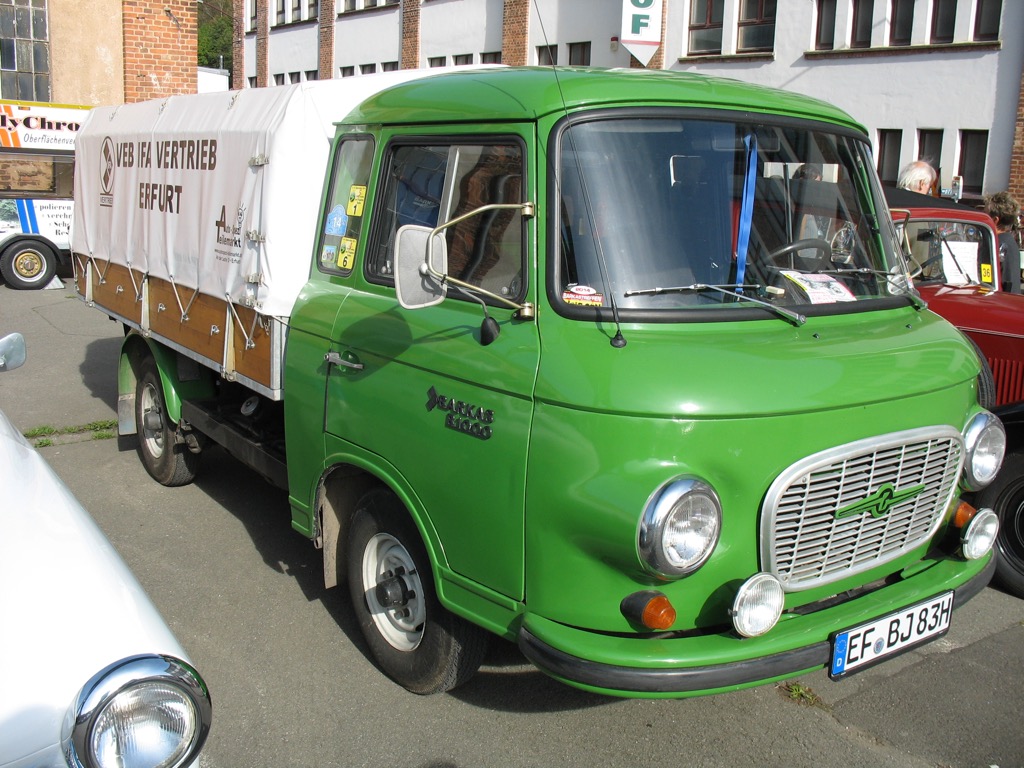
980	534
758	605
144	711
985	441
679	528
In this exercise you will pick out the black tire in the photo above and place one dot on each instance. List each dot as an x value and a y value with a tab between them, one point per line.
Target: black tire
28	265
1006	496
986	381
168	462
415	641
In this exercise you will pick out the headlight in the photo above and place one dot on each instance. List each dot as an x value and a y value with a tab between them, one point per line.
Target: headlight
985	441
758	605
151	711
679	528
979	534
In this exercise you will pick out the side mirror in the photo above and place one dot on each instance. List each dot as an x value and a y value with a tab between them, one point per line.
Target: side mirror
417	266
12	352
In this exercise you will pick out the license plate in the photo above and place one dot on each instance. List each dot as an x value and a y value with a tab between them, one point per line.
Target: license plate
869	643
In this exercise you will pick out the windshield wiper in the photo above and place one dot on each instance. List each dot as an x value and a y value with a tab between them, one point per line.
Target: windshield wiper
728	290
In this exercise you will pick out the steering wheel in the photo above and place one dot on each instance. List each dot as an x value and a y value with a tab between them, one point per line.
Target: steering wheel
822	247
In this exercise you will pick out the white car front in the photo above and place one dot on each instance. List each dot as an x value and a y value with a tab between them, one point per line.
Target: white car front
90	675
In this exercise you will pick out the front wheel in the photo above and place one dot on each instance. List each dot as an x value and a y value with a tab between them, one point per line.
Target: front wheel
27	265
168	462
1006	496
417	643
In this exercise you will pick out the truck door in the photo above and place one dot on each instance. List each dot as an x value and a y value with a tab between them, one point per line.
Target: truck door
447	417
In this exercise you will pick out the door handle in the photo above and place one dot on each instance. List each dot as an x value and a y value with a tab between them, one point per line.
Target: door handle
347	360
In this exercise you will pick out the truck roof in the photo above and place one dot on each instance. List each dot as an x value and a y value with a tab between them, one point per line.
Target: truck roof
527	93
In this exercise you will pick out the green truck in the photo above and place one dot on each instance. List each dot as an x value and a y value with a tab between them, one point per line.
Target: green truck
623	366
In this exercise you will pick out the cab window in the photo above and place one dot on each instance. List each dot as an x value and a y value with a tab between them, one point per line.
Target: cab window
430	184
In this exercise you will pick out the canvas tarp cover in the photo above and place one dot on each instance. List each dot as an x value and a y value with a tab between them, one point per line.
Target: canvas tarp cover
217	192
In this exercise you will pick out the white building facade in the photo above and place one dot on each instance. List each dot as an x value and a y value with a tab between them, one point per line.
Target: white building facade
939	80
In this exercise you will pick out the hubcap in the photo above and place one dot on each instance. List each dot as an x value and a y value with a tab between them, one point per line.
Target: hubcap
152	421
29	265
394	592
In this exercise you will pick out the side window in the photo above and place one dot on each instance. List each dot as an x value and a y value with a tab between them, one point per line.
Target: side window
343	223
428	185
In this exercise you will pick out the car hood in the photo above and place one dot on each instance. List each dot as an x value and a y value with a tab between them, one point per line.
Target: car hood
70	605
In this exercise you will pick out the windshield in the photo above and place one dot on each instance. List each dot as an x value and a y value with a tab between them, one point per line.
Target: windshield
663	215
950	252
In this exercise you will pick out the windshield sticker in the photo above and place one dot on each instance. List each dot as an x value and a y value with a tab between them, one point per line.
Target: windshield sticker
346	252
986	273
337	221
820	289
327	255
356	197
582	296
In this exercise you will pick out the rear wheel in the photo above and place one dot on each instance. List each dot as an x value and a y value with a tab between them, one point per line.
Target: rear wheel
28	264
169	462
417	643
1006	496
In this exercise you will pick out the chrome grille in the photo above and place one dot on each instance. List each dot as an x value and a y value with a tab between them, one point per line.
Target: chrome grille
890	494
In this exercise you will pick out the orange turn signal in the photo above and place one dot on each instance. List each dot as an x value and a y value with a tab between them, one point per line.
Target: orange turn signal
659	613
649	608
963	515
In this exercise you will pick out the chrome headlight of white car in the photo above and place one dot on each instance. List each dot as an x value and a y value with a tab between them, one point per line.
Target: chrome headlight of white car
679	528
985	443
144	711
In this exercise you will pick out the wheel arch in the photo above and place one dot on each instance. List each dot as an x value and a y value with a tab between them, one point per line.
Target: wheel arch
134	349
339	492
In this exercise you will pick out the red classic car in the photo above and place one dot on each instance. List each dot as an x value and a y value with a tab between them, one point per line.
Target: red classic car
953	258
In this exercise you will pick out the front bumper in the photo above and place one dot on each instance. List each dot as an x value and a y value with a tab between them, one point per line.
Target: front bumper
542	642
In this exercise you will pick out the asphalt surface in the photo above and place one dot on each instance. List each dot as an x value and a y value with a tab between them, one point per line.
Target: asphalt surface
292	682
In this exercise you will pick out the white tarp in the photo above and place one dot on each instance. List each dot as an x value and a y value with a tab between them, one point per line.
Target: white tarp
217	192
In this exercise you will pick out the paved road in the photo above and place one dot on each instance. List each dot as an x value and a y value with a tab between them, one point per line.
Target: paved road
293	685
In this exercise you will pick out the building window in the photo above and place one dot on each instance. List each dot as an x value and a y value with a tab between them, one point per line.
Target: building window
756	26
252	15
312	74
296	10
943	21
986	23
279	78
973	149
252	82
294	77
280	12
350	5
313	9
706	27
24	52
437	61
367	69
579	54
863	12
491	57
902	22
547	55
889	142
929	146
389	66
347	71
462	59
825	34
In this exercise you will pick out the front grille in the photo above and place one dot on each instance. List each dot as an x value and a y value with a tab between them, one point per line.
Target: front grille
1009	378
889	493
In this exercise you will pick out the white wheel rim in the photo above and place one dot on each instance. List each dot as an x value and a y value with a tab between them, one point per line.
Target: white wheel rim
153	438
400	625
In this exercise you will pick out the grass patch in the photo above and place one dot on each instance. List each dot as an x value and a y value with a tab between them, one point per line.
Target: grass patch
45	435
801	694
